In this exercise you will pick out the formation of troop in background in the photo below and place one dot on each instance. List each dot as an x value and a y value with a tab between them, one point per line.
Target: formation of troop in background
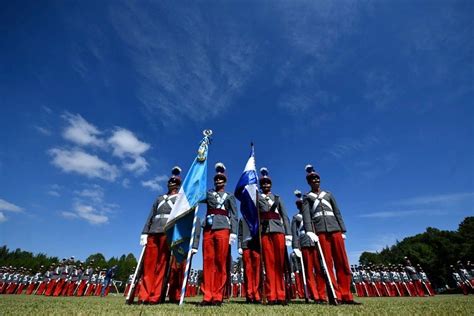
62	279
316	234
463	276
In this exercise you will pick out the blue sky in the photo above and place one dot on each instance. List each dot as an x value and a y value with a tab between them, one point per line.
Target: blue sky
98	101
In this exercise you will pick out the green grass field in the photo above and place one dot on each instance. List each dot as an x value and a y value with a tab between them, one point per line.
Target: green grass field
114	305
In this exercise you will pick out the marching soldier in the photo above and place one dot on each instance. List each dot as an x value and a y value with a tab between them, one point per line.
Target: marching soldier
220	230
249	249
459	281
323	222
157	252
410	269
276	233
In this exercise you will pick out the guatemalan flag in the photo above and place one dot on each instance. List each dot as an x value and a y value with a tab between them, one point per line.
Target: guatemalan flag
180	225
246	193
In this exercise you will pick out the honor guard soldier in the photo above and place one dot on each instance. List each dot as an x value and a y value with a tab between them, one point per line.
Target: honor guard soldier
157	251
304	248
220	230
249	249
276	233
323	222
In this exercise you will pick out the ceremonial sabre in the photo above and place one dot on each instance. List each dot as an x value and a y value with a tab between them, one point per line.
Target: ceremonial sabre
136	276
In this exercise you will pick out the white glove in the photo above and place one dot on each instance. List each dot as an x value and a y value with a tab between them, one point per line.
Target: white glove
193	251
297	252
343	236
312	236
288	239
232	238
143	239
241	251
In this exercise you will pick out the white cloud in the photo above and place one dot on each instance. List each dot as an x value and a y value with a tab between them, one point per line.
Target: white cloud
54	193
7	206
138	166
126	183
95	193
126	144
81	132
435	199
155	184
348	146
2	217
78	161
86	212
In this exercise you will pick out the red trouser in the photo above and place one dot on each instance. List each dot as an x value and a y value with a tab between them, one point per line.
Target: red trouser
127	287
20	288
41	288
252	266
81	288
50	287
334	251
155	262
59	287
215	251
176	280
273	245
30	288
299	284
314	279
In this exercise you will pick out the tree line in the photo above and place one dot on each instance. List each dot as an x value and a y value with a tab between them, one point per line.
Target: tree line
435	250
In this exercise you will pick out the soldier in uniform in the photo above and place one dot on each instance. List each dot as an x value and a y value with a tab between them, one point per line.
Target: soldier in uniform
276	234
304	248
249	249
323	221
410	269
157	251
220	230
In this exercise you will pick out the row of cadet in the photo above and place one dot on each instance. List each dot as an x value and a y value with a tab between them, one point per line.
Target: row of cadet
63	279
463	276
318	225
391	280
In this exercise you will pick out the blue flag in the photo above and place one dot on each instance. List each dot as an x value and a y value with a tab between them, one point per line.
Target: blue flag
179	226
246	193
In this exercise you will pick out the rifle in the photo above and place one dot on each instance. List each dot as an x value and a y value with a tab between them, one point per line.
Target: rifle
136	277
331	292
287	276
164	286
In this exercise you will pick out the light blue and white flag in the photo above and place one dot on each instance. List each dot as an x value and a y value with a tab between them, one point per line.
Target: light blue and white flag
246	193
180	224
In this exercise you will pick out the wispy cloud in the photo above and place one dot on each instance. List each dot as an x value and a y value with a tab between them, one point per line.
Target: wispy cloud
10	207
380	91
80	162
404	213
81	132
90	205
155	184
186	69
348	146
2	217
448	198
43	130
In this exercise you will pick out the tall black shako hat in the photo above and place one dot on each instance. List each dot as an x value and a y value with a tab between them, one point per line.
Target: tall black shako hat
175	178
220	173
264	178
299	199
311	174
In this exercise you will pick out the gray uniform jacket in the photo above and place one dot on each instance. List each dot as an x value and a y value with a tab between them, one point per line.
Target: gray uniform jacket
245	240
300	239
215	200
281	225
326	216
160	211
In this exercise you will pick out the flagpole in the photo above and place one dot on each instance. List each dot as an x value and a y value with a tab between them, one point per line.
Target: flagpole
188	260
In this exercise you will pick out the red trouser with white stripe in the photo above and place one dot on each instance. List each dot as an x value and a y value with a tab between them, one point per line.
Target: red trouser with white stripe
273	245
334	251
316	285
215	251
252	266
155	262
176	280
